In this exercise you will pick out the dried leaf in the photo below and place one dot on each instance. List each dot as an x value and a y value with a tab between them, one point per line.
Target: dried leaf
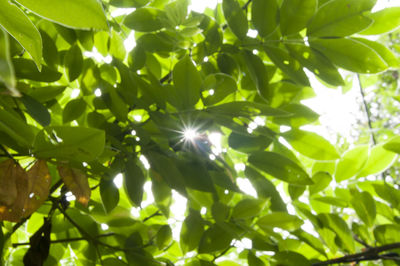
13	191
76	182
39	181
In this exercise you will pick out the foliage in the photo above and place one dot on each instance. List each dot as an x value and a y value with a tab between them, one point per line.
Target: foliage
71	123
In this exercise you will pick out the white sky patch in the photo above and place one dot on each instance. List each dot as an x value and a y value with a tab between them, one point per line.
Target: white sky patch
381	4
118	180
240	167
200	5
135	212
245	186
69	196
137	118
211	92
122	11
244	243
97	92
104	227
216	140
203	210
130	42
178	207
133	133
149	195
97	56
252	33
75	93
190	134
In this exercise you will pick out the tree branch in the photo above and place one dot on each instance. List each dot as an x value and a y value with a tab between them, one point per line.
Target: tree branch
368	255
64	240
366	110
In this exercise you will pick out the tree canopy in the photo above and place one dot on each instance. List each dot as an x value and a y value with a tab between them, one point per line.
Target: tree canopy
130	139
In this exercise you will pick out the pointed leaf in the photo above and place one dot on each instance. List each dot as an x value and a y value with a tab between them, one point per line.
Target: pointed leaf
37	110
384	20
145	19
164	237
350	54
77	182
248	208
86	14
393	145
311	145
134	181
281	220
73	110
364	205
339	226
235	17
384	52
192	231
214	239
6	68
351	163
378	161
321	181
18	25
264	15
109	195
73	62
16	128
187	82
26	69
340	18
295	14
280	167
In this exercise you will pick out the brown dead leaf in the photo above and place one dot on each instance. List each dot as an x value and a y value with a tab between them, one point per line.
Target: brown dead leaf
14	191
77	182
39	181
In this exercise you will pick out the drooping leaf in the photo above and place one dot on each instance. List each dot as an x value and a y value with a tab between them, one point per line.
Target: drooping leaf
295	15
73	110
222	85
192	231
340	18
74	13
16	128
351	162
39	181
37	110
291	258
26	69
235	17
13	191
378	161
388	193
73	62
258	72
6	68
134	181
364	205
339	226
214	239
187	81
387	234
248	208
18	25
281	220
264	15
248	143
109	195
384	52
77	182
145	19
280	167
321	181
311	145
350	54
69	143
393	145
164	237
384	20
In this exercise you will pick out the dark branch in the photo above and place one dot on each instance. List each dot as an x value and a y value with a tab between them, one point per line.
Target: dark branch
366	111
64	240
368	255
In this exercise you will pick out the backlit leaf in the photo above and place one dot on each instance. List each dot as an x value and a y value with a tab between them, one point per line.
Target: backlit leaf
384	20
73	110
235	17
364	205
37	110
264	15
109	195
295	14
351	163
6	68
378	161
144	19
281	220
73	62
134	181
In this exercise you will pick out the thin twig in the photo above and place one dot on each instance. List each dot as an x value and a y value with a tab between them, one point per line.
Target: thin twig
366	110
368	255
66	240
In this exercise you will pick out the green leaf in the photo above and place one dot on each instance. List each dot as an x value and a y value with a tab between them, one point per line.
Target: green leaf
145	19
18	25
311	145
26	69
339	226
73	110
134	182
214	239
69	143
281	220
195	174
252	260
384	52
235	17
109	195
187	81
295	15
265	189
248	143
351	162
388	193
248	208
176	12
73	13
258	72
264	15
393	145
379	160
317	63
364	205
129	3
387	234
16	128
300	115
311	240
6	67
384	20
73	62
350	54
164	237
280	167
44	94
321	181
291	67
246	109
36	110
340	18
221	84
191	232
291	258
